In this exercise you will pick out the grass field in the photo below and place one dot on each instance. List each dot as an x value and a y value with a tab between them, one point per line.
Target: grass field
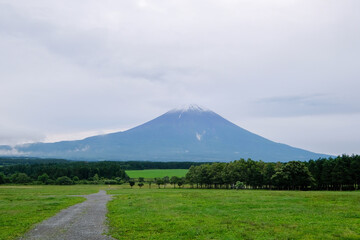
231	214
192	213
23	206
156	173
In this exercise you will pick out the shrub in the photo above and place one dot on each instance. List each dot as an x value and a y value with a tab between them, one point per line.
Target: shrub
239	185
21	178
37	183
64	180
43	178
50	181
111	182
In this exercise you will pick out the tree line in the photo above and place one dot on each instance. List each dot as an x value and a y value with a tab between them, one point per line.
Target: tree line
64	173
340	173
126	165
174	180
143	165
7	161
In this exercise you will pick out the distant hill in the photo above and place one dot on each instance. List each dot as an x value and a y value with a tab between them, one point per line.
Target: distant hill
185	134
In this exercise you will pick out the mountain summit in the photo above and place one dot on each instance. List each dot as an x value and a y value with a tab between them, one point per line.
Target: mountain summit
191	108
189	133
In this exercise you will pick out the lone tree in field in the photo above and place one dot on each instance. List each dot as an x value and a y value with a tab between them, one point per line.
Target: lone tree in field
141	182
131	183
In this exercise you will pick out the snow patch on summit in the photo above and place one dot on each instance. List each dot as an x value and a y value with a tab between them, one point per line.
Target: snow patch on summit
190	107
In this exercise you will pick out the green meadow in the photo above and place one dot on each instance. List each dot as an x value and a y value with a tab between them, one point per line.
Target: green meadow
156	173
233	214
192	213
23	206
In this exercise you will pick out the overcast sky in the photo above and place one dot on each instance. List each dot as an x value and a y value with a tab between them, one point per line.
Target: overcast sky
285	69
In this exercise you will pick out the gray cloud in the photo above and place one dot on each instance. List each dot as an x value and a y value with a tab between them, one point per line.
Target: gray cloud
88	66
316	104
11	135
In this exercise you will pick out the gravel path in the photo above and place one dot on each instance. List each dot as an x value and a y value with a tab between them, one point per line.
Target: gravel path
85	220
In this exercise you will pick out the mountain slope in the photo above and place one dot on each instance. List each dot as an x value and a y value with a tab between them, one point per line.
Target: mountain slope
186	134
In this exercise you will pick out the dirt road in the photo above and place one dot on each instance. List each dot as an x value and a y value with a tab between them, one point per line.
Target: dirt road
85	220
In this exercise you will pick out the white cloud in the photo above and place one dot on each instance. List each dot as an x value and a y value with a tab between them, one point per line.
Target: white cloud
13	152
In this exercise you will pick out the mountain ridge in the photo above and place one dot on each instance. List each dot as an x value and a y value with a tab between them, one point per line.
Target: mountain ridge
189	133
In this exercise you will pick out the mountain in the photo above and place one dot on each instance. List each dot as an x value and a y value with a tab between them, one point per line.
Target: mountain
191	133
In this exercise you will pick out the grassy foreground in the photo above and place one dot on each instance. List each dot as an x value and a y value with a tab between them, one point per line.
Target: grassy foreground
191	213
156	173
23	206
231	214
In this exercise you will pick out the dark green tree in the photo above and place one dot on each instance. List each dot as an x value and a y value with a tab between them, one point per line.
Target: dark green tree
326	173
191	176
215	171
22	178
166	180
355	171
293	175
64	180
174	180
2	178
181	181
159	181
269	171
43	178
131	183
